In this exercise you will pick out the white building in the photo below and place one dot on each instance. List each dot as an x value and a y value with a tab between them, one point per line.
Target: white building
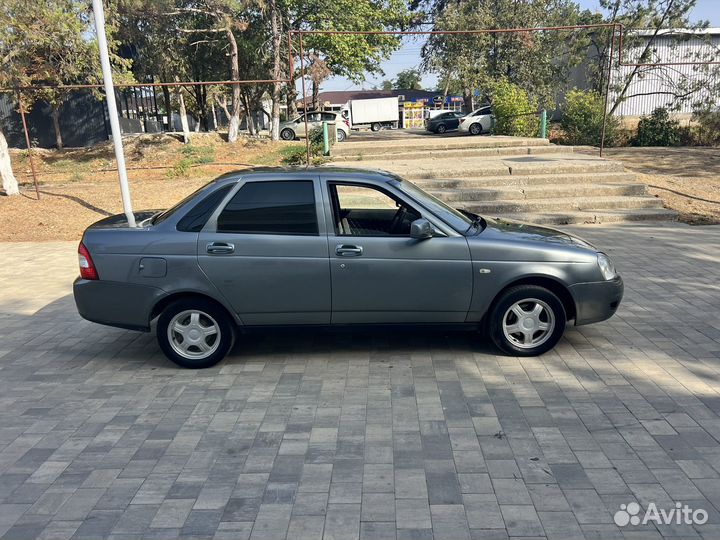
655	87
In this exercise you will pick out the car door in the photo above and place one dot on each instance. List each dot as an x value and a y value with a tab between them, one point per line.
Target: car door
382	275
266	252
453	121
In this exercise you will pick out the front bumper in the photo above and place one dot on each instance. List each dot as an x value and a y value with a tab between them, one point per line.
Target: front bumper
124	305
596	301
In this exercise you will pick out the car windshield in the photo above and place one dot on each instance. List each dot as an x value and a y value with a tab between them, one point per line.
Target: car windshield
458	220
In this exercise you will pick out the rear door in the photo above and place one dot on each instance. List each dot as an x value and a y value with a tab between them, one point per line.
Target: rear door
266	251
453	121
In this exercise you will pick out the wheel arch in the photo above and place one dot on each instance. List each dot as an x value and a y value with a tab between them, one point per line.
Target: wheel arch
555	286
165	301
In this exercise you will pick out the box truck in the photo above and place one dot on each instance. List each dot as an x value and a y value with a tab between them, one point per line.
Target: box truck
375	113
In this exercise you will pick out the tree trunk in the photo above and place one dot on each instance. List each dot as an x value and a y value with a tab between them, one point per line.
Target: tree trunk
183	114
292	110
234	125
467	101
276	38
9	183
315	96
55	115
214	116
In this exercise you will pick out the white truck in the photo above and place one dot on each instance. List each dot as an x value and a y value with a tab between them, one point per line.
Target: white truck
375	113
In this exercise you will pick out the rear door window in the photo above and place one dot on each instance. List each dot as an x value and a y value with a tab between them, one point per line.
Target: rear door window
286	207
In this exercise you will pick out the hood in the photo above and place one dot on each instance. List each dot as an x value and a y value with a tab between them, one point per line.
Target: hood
119	221
517	230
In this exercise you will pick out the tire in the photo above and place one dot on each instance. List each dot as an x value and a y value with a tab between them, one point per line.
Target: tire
341	135
441	129
475	129
287	134
209	315
502	318
375	126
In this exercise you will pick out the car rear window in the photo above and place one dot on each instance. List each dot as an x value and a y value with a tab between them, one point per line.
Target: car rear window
286	207
196	218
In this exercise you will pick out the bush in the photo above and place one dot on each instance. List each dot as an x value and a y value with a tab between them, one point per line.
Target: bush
658	129
708	133
297	155
582	119
514	111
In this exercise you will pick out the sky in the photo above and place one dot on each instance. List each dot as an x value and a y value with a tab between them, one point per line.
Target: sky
408	56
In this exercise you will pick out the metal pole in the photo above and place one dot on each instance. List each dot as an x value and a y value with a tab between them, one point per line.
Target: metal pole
543	124
305	107
607	89
112	110
326	139
29	146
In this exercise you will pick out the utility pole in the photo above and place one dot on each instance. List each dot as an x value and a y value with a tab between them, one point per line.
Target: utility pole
99	15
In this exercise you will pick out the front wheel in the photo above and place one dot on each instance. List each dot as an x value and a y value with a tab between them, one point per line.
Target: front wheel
195	333
526	320
287	134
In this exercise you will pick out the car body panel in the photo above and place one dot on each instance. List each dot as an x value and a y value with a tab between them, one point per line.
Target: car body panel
274	279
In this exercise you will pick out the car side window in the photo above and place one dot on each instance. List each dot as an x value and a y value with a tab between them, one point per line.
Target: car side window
286	207
196	218
313	117
361	210
328	117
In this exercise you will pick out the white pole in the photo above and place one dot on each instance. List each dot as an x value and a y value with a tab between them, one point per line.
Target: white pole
112	110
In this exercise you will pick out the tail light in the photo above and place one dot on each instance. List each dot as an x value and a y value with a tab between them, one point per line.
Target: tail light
87	266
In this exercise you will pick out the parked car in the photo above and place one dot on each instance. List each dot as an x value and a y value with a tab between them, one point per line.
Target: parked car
477	122
294	129
321	246
441	123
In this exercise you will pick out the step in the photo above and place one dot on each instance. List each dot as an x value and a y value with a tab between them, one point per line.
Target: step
593	216
502	207
399	146
556	191
459	152
509	167
525	180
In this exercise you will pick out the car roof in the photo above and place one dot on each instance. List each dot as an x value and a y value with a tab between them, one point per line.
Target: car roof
278	173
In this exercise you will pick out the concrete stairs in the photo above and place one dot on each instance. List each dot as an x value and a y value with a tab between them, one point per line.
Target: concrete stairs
523	179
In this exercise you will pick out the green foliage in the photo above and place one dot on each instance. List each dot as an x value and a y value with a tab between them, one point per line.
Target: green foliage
658	129
191	155
514	111
538	62
297	154
708	132
408	79
582	119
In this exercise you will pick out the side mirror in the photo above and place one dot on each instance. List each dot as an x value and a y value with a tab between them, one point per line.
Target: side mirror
421	229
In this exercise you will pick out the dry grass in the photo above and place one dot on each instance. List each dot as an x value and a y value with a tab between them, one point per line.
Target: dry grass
79	186
686	179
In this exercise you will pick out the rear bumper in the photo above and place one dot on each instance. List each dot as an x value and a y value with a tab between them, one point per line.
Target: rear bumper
596	301
124	305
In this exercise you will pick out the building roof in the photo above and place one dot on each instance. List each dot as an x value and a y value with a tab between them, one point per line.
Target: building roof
342	97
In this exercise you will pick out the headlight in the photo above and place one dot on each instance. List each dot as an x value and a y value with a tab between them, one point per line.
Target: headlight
606	266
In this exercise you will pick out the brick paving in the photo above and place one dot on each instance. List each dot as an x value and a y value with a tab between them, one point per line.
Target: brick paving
346	434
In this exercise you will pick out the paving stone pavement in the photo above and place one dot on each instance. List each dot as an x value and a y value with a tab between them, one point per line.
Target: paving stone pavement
347	434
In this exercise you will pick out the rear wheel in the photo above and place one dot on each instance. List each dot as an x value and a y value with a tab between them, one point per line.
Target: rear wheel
287	134
195	333
375	126
526	320
442	128
475	129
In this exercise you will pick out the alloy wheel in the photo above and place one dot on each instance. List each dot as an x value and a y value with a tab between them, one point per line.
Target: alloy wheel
528	323
193	334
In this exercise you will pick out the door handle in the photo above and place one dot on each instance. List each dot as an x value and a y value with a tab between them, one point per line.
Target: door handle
220	247
345	250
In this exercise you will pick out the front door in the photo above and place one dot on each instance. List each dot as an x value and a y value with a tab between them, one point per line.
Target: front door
382	275
267	253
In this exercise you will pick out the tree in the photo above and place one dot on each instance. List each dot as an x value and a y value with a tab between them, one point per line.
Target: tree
408	79
386	85
645	22
538	62
47	43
